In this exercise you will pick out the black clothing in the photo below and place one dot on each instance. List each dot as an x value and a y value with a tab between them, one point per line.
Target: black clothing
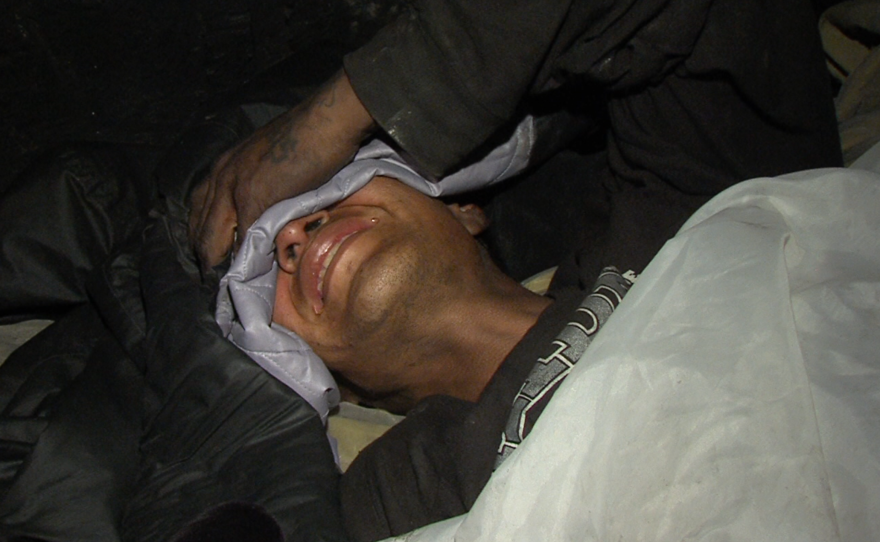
700	93
131	415
559	357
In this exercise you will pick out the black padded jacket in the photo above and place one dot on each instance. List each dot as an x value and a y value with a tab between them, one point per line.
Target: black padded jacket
131	416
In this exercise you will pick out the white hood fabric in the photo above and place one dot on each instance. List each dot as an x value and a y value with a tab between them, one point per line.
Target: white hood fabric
733	395
247	292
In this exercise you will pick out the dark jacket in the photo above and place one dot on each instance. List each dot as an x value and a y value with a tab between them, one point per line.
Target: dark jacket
131	415
700	94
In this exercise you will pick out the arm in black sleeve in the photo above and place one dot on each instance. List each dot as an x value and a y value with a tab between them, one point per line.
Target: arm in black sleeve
700	93
446	74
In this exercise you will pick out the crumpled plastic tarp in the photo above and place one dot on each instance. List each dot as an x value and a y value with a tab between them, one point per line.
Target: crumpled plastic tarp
733	395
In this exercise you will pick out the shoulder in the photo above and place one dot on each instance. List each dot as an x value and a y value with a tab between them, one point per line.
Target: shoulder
408	477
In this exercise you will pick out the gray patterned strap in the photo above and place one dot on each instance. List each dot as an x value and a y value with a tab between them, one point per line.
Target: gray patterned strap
560	356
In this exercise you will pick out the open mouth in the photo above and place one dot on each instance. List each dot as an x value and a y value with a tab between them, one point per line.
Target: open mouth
323	253
326	261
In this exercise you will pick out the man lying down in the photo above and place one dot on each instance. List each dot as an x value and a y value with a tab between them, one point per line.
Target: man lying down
392	290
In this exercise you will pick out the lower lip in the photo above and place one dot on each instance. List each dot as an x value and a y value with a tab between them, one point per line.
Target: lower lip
325	270
346	235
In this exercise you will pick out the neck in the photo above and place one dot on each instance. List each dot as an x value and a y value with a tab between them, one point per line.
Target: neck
461	349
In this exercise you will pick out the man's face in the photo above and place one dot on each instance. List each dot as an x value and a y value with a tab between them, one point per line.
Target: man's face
371	269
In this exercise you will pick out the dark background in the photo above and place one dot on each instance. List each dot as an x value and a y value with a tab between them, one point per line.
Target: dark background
137	71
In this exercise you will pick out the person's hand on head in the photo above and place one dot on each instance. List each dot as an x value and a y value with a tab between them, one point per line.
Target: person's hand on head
295	153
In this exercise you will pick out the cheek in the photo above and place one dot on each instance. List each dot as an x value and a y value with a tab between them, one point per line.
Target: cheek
318	333
383	289
290	306
284	312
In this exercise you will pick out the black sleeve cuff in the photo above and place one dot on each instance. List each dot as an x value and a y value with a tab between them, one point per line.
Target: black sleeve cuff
405	83
447	74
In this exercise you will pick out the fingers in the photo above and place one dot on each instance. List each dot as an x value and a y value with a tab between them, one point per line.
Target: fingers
213	217
217	234
198	204
291	155
202	197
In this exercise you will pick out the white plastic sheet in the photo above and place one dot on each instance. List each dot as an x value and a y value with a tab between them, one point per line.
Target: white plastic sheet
733	395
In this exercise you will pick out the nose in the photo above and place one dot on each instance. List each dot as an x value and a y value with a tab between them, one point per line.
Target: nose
294	237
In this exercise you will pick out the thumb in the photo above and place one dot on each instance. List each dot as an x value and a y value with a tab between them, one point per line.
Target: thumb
214	240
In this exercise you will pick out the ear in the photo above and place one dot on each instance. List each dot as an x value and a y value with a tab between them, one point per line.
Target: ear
471	217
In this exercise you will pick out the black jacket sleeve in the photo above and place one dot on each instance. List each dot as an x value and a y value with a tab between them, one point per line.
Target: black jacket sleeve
701	93
456	69
445	75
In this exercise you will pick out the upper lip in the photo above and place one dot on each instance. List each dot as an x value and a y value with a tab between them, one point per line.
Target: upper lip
320	254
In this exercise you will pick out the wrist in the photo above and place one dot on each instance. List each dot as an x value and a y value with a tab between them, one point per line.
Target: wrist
363	124
338	108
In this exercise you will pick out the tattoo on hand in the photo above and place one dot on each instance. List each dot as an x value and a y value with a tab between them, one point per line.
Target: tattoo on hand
281	147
